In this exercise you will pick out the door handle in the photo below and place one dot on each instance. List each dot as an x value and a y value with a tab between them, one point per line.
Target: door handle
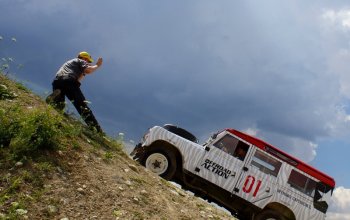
267	189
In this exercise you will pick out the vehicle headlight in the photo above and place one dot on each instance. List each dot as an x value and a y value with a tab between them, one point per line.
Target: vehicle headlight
145	136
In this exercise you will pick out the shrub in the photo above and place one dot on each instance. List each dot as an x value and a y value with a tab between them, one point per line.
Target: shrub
5	93
9	124
39	129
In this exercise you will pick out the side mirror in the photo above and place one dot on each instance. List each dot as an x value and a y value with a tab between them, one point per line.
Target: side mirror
214	136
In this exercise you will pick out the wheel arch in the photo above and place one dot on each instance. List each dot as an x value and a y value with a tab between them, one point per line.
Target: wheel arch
282	209
161	144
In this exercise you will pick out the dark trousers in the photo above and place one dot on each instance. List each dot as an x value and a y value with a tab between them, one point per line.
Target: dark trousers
71	89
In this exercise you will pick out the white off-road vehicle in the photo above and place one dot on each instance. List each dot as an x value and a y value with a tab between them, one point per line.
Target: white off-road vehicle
249	177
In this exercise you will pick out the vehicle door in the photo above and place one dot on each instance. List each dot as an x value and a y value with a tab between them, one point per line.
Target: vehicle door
223	160
260	177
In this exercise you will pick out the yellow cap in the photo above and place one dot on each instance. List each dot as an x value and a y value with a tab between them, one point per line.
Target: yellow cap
86	55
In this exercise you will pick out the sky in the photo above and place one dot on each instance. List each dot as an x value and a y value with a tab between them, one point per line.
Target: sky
278	70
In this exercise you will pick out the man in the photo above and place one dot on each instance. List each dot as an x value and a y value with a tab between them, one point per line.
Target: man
67	83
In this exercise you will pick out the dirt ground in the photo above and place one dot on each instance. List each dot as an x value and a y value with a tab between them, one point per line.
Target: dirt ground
118	188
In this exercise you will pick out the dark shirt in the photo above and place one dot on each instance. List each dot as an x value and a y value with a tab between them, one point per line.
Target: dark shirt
72	69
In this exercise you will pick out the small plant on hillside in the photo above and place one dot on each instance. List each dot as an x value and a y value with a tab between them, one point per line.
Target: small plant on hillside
7	62
23	132
108	156
22	87
9	125
37	130
5	93
117	142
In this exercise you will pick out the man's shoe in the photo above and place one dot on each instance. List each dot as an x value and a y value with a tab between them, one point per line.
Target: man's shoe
53	96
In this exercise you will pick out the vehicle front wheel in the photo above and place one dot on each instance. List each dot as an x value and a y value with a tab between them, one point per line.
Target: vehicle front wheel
269	215
161	162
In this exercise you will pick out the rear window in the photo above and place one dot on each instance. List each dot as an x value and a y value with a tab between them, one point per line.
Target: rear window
302	183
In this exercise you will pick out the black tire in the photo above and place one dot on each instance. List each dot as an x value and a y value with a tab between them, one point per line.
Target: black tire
161	162
269	214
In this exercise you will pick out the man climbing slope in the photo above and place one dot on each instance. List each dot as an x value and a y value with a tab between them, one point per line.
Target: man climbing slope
67	83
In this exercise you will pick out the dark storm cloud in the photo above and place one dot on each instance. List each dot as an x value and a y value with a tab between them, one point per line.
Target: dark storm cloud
202	65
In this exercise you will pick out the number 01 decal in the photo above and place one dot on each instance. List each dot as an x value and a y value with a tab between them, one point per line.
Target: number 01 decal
249	183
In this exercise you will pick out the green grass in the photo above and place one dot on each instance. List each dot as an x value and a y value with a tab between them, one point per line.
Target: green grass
23	132
33	133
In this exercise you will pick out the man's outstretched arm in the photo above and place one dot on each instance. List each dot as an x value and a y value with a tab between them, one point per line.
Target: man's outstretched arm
92	68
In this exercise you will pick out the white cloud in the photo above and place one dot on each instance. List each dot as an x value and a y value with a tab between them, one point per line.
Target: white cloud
297	147
341	200
340	205
339	18
336	28
347	118
337	216
336	45
251	131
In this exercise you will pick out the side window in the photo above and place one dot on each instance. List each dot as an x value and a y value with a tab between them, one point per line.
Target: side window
233	146
302	183
266	164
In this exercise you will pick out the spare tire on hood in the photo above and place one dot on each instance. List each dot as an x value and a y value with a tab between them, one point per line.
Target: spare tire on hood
181	132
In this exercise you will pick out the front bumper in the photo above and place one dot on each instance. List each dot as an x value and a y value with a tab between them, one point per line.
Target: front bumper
138	153
136	149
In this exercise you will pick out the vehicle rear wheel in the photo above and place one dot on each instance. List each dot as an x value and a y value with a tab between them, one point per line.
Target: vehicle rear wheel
269	214
161	162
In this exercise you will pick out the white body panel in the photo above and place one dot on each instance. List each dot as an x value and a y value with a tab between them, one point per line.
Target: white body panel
240	178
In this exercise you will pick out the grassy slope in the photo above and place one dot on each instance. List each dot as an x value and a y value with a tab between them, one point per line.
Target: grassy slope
53	167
